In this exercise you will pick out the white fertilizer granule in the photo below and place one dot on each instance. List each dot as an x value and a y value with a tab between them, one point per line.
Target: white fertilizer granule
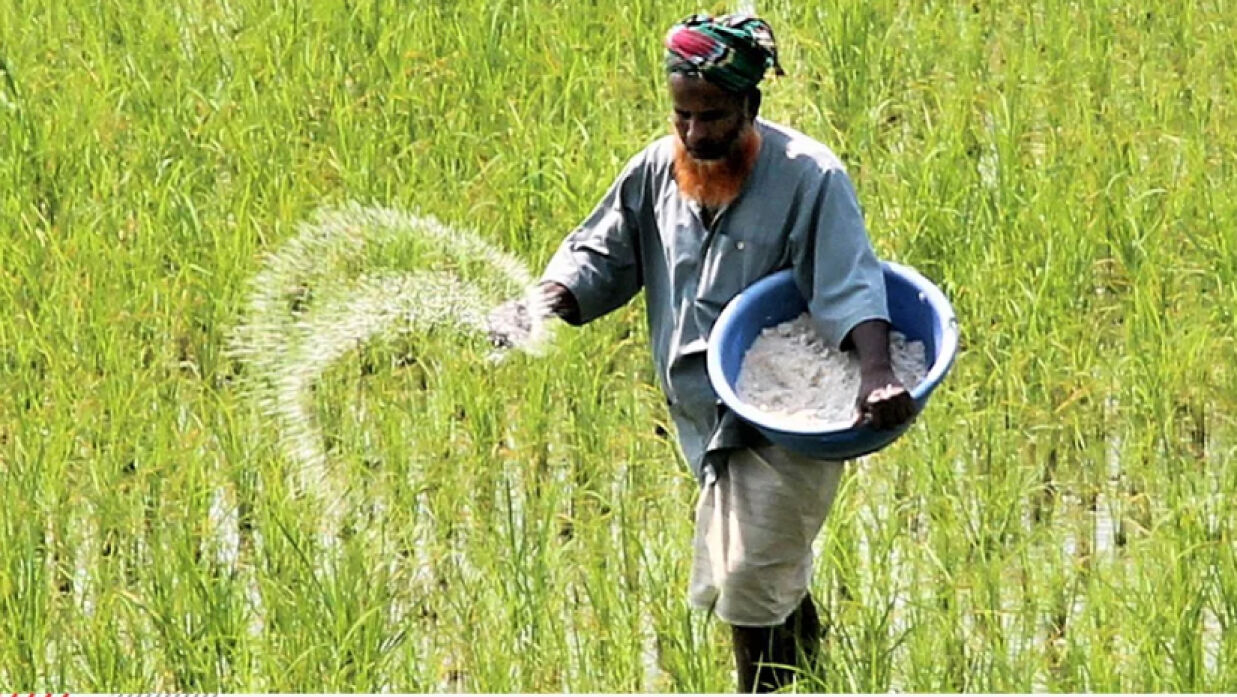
790	372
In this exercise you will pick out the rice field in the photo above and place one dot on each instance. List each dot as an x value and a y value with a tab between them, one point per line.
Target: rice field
368	499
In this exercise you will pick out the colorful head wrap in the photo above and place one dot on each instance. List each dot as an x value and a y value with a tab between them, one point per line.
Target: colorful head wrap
731	51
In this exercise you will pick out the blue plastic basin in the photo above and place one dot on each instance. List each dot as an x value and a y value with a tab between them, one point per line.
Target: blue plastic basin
917	308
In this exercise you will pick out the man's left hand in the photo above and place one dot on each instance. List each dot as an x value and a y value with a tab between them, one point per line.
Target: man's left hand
883	401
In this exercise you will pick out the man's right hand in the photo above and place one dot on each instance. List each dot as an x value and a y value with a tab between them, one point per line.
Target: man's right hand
560	302
511	323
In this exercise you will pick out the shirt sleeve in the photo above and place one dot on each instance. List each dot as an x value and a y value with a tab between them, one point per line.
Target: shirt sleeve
834	264
599	262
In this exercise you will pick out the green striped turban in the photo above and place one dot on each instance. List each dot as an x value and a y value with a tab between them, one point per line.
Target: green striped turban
731	51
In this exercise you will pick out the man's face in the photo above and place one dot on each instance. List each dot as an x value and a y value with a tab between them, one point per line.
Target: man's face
709	119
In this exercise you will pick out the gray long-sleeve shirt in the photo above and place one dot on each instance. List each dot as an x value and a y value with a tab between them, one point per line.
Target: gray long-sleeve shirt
797	209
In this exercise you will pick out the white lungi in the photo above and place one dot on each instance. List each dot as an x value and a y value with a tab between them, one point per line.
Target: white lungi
755	524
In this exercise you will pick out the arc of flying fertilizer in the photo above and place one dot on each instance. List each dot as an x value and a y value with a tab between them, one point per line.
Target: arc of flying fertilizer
303	314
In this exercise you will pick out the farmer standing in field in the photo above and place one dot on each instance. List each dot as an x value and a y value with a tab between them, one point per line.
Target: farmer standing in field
694	219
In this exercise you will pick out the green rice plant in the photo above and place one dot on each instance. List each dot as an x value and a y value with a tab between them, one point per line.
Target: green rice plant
1057	520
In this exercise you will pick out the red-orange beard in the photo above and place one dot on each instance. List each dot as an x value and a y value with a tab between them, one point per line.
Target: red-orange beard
715	183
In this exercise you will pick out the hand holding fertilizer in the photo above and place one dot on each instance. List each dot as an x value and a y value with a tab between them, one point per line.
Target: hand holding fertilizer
519	322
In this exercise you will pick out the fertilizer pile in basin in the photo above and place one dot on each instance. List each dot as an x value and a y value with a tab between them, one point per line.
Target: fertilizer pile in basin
790	372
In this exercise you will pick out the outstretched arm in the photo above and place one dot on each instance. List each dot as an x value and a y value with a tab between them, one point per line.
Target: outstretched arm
597	268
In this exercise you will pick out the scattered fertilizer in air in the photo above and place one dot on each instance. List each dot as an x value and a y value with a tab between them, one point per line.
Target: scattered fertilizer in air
326	292
789	371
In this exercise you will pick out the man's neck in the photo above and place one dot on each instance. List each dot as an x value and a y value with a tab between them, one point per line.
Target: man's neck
708	215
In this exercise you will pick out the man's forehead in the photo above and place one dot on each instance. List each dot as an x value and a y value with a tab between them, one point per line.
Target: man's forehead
697	92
